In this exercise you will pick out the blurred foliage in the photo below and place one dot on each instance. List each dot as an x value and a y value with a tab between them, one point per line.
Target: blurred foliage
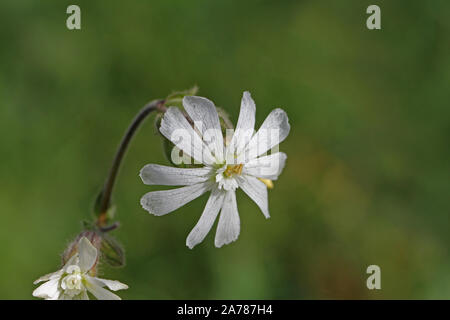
367	175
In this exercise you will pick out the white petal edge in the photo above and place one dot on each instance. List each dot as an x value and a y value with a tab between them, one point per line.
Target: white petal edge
272	132
229	225
206	221
267	167
113	285
176	128
87	254
154	174
257	191
47	290
99	292
57	296
204	113
245	127
162	202
49	276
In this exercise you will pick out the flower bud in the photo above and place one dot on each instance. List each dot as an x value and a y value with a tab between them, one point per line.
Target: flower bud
110	251
72	248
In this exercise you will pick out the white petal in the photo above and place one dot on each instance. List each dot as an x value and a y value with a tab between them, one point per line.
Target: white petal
99	292
247	113
57	296
202	111
176	128
47	290
207	218
49	276
257	191
87	254
272	132
229	224
245	127
170	176
267	167
162	202
111	284
74	260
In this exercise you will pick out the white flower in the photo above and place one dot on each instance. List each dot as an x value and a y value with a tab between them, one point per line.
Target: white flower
238	164
73	281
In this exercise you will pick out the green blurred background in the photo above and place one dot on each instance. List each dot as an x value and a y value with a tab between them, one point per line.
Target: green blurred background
367	175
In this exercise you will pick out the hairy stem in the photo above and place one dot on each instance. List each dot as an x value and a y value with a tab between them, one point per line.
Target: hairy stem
105	195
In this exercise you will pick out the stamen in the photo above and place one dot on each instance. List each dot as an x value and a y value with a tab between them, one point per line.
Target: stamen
233	169
267	182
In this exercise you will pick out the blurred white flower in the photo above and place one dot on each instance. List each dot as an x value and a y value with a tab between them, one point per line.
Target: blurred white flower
73	281
226	167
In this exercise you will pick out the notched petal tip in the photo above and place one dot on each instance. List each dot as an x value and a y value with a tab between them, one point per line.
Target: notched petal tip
190	245
284	118
220	243
141	174
191	242
248	101
144	205
146	174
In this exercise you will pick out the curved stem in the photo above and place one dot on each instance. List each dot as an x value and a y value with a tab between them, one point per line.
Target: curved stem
105	195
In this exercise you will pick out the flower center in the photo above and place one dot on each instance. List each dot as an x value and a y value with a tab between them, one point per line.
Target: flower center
233	169
225	176
72	284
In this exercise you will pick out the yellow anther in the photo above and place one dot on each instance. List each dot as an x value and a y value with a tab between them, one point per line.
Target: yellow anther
267	182
233	169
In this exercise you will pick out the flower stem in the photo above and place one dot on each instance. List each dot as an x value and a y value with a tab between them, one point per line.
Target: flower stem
105	195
